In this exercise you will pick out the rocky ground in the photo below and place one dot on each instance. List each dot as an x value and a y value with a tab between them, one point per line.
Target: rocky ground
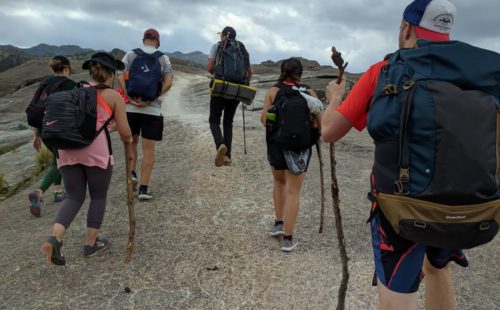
203	241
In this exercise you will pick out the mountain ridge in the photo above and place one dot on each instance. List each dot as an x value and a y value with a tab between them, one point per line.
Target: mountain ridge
12	56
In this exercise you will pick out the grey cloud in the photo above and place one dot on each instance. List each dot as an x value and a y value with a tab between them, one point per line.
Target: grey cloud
365	29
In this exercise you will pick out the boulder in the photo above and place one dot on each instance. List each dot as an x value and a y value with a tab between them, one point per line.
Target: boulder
10	140
17	167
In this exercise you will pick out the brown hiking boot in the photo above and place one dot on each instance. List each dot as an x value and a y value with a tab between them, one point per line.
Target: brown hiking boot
227	161
219	158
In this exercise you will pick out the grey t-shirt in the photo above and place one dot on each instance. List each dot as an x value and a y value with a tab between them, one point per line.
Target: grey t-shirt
154	107
213	51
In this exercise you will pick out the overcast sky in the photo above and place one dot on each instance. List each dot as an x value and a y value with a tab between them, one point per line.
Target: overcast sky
363	30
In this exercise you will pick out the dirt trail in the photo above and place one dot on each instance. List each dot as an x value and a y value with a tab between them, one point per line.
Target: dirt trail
203	241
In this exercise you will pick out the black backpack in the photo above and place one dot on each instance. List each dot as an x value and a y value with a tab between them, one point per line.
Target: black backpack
231	62
36	108
70	118
293	129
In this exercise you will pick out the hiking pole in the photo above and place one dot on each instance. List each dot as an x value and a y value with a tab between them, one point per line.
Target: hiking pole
322	184
244	131
130	203
339	62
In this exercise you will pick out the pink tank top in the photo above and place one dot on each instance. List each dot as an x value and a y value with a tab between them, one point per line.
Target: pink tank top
97	153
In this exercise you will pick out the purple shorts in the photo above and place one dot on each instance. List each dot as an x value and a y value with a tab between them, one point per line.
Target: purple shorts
398	261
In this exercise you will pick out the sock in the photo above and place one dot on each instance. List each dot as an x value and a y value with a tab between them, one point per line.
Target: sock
277	222
143	189
287	237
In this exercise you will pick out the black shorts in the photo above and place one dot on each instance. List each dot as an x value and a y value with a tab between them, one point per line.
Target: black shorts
148	126
276	157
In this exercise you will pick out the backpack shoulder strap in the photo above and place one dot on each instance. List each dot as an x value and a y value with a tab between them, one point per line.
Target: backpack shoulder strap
101	86
157	54
104	126
138	51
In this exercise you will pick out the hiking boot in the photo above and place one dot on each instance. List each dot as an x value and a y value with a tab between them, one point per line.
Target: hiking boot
227	161
59	196
133	178
99	245
288	245
219	158
277	230
36	201
144	195
52	249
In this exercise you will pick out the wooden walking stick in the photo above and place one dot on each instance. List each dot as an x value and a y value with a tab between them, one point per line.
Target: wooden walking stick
130	203
322	184
339	62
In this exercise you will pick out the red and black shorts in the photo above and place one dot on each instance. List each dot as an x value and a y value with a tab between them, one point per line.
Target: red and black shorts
398	261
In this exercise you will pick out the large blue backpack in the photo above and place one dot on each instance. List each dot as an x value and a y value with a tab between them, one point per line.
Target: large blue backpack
436	126
145	76
230	62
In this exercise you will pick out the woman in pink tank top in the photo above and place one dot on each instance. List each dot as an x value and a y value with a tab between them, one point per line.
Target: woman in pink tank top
90	166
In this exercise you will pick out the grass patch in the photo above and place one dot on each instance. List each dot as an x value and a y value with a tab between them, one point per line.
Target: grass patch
43	158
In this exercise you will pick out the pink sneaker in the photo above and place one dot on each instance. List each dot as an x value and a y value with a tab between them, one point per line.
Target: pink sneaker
36	203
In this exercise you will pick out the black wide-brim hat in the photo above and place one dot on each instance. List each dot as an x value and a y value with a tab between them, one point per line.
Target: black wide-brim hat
106	60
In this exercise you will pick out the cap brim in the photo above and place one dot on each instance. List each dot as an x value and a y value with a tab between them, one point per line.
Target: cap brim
431	35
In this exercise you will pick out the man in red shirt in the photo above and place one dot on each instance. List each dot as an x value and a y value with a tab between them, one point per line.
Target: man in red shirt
398	262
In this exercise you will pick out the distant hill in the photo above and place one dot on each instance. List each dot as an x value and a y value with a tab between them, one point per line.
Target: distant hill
11	56
45	50
196	57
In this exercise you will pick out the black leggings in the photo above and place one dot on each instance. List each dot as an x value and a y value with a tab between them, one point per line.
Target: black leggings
76	178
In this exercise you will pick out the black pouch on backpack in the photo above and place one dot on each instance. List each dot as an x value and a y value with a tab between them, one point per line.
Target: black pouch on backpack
36	109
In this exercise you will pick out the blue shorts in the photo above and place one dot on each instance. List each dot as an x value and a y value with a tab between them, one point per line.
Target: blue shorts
398	261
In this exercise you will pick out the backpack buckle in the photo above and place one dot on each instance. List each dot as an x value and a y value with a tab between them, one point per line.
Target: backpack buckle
401	185
419	224
390	89
484	226
408	84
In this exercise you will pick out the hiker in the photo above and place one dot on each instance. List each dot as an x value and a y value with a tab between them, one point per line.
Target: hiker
147	76
226	53
61	67
398	261
288	166
90	166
